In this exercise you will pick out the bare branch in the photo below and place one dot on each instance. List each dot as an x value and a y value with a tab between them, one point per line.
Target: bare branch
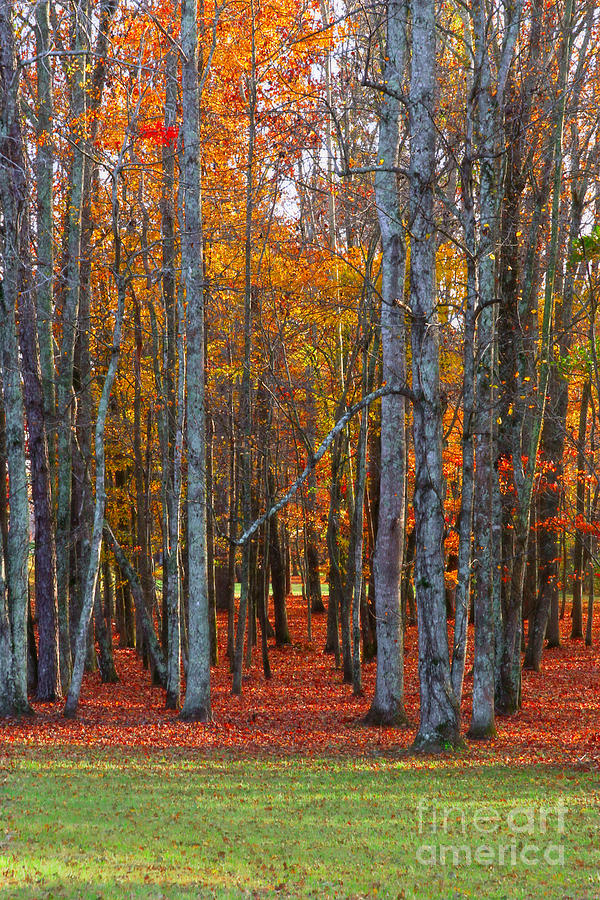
341	423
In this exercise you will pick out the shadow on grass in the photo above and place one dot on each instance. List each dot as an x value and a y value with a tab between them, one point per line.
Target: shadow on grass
107	826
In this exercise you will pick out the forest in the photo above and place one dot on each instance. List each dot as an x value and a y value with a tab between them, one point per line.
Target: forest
300	406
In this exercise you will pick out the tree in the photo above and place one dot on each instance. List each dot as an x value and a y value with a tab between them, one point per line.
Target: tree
552	442
439	719
388	703
197	705
13	201
93	568
70	310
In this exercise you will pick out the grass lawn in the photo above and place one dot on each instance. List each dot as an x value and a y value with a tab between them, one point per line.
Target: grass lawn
118	825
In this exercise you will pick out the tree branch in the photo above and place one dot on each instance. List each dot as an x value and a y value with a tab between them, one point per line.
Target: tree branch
341	423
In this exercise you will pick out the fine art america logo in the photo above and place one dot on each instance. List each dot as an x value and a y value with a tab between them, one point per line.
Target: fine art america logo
490	836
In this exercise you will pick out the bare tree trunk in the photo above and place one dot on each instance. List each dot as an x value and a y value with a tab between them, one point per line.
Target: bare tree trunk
577	608
246	387
369	616
263	598
106	662
82	460
197	706
313	575
552	447
70	308
439	719
387	707
133	585
91	577
231	551
210	543
592	575
6	668
508	690
359	495
482	721
13	200
44	168
176	326
277	564
334	600
6	683
48	683
32	657
142	518
465	520
3	476
48	686
13	603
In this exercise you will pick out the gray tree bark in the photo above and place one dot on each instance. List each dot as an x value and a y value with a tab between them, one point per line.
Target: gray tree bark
465	520
545	620
439	716
48	682
508	693
70	308
175	401
313	574
552	446
355	571
91	576
133	583
44	168
82	460
482	720
14	210
578	568
387	707
6	667
246	384
197	706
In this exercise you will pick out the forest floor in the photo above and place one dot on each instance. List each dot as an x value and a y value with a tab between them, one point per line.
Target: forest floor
306	709
287	795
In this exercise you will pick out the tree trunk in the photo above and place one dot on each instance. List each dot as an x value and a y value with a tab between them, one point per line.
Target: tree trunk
552	444
577	608
70	308
334	600
32	656
48	685
524	454
282	632
173	392
357	568
387	707
246	386
231	550
313	575
197	706
91	576
7	707
44	169
482	721
210	544
465	519
439	718
263	598
13	200
150	638
102	626
590	608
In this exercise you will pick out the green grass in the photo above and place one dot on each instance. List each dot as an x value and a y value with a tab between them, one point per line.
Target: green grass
296	590
106	825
